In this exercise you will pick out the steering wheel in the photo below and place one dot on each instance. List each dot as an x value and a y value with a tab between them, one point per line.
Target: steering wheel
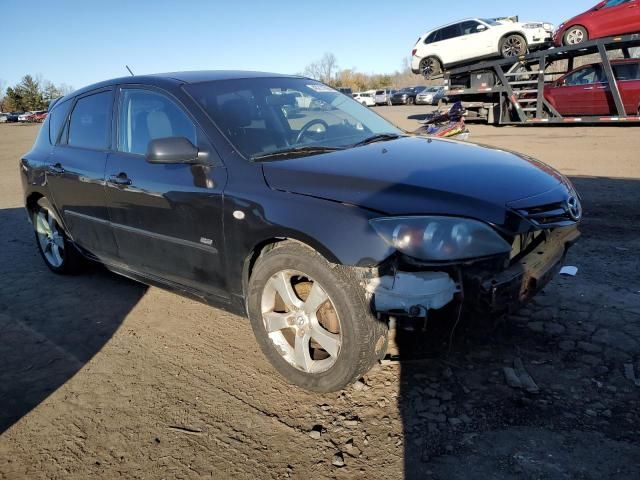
308	125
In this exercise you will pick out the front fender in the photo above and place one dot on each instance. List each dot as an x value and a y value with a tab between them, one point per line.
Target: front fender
339	232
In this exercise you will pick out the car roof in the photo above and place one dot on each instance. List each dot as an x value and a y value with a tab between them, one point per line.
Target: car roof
189	77
452	23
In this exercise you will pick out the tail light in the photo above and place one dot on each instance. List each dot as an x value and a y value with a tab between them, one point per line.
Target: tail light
413	52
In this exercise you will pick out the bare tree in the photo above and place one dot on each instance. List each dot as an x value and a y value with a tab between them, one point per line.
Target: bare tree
324	69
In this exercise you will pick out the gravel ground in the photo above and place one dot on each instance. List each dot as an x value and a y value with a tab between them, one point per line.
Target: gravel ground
101	377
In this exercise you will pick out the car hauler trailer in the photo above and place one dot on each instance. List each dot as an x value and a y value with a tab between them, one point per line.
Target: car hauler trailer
511	91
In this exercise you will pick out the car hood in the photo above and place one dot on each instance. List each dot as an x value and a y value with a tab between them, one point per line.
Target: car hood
418	175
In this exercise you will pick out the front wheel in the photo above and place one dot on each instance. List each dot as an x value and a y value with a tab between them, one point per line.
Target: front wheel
312	320
513	45
575	35
411	101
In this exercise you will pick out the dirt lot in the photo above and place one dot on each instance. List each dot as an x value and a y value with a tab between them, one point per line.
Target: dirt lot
101	377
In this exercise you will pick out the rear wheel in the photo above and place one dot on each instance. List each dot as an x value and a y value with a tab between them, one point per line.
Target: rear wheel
430	67
575	35
513	45
58	253
311	319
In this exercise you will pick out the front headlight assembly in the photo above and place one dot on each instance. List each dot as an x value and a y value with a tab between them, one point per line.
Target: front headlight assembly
440	239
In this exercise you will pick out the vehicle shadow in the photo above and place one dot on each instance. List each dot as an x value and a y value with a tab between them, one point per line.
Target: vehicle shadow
454	400
50	325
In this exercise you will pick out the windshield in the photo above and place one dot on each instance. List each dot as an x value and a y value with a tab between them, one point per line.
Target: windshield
491	22
262	116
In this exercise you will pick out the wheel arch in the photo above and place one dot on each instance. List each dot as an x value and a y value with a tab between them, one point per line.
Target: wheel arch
520	33
573	25
37	199
267	244
437	57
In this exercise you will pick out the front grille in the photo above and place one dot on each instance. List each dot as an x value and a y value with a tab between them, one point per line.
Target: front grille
552	215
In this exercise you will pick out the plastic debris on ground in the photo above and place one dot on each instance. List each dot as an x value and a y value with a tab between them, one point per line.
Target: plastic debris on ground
569	271
445	123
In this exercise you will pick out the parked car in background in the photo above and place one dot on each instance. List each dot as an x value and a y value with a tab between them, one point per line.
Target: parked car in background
406	96
365	98
26	117
476	38
607	18
383	97
198	183
40	116
585	90
346	91
430	96
3	117
37	116
13	116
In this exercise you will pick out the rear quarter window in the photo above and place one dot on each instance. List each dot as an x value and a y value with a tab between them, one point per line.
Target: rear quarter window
57	117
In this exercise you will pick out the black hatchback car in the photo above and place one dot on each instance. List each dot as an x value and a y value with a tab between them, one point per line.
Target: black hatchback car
319	226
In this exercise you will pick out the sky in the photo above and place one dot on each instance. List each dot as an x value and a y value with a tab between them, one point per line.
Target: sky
81	42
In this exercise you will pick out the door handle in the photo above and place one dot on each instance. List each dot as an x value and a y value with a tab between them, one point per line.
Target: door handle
588	88
56	169
602	88
119	179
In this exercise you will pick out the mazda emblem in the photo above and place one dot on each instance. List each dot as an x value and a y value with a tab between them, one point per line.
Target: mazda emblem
574	208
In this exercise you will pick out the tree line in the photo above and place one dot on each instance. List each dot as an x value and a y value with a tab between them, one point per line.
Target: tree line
326	70
31	93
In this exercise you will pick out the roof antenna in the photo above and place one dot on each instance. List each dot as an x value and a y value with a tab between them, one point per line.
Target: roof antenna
129	70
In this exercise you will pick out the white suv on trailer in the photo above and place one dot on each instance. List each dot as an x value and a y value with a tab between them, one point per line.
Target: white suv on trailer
476	38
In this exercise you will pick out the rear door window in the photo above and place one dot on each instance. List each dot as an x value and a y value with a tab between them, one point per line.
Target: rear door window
627	71
90	121
452	31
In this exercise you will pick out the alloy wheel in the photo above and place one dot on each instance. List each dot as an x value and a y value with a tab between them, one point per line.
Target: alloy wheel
301	321
513	46
575	36
429	67
50	237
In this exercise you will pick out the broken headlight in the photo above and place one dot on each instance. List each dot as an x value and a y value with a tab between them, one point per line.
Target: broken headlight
440	238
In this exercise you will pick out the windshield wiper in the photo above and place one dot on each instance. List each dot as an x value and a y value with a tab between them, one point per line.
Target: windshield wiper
296	152
381	137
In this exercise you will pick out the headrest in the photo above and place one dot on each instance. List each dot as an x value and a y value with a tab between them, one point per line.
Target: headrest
236	113
159	125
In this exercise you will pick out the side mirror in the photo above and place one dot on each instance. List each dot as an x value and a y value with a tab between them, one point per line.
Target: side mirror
481	28
171	150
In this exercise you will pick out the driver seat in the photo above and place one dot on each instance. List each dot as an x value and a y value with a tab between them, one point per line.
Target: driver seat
250	139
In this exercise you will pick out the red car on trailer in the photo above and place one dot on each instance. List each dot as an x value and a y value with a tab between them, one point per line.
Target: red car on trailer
585	91
606	19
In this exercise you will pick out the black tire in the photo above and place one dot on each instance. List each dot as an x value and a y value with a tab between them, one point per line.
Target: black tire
513	45
411	100
430	67
362	336
575	35
71	261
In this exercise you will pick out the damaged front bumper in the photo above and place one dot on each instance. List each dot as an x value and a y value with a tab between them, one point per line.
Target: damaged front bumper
492	286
